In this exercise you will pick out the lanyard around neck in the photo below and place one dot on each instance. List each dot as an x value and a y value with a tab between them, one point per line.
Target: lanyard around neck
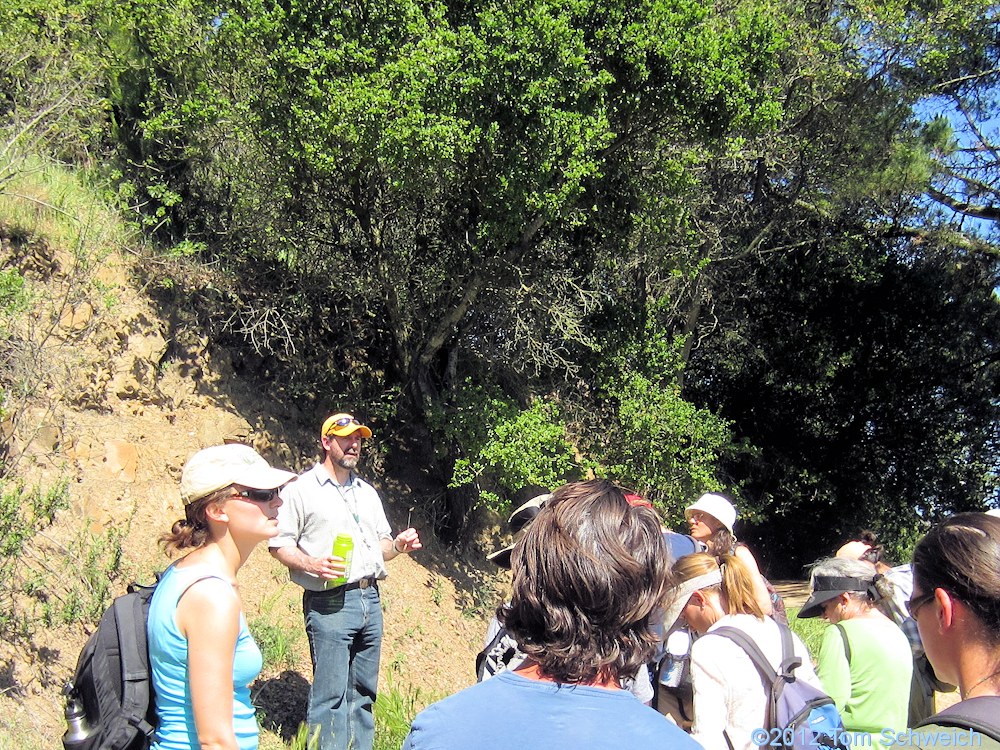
343	490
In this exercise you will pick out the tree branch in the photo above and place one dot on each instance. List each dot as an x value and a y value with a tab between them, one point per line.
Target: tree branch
987	213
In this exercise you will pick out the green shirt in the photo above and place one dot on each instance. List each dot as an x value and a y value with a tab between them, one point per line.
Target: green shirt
873	691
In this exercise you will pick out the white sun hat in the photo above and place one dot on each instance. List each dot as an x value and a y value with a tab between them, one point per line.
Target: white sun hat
213	468
717	507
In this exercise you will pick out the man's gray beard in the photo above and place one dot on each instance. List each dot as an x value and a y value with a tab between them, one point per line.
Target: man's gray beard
347	462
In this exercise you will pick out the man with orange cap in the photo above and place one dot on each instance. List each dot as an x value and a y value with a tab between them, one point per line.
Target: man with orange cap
340	602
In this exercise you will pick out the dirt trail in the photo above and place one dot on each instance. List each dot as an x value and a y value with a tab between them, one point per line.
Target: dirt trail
794	593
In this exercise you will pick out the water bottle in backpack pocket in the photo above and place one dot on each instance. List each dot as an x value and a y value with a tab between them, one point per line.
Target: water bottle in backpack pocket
675	669
109	700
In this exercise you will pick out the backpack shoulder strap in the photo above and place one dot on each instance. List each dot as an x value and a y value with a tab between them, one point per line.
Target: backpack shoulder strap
979	714
500	635
790	661
130	623
847	643
764	668
481	656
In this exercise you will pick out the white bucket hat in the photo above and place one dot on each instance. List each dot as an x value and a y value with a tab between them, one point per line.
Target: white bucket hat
715	506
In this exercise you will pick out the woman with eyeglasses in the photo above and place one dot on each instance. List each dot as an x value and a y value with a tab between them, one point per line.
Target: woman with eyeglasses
864	660
729	698
956	604
924	683
202	657
711	518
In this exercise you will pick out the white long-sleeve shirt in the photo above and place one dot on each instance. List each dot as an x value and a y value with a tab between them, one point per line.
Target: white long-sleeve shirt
728	694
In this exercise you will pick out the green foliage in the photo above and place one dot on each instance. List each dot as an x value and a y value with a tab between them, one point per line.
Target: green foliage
420	194
99	569
481	600
24	512
35	588
437	589
51	73
507	448
394	712
810	630
187	249
13	296
871	398
653	440
304	739
277	643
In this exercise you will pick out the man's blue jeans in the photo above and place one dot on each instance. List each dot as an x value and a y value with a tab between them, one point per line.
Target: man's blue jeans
345	639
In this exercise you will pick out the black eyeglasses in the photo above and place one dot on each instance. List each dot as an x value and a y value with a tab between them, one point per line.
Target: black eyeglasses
258	496
913	605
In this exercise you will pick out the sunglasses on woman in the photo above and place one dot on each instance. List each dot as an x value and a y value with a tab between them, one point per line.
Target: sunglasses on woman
258	496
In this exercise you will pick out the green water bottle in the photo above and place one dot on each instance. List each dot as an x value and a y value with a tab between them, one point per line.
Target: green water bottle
343	546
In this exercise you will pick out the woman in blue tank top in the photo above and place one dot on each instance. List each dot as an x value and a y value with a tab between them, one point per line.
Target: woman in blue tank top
201	654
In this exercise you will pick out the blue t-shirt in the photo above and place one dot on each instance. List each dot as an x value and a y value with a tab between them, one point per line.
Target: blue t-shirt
511	711
168	657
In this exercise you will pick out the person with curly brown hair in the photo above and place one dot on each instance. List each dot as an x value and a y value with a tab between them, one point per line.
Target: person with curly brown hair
588	574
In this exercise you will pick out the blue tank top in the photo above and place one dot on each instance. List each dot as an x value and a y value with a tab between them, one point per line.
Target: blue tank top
168	656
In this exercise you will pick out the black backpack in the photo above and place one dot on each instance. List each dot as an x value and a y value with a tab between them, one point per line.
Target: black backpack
112	683
978	714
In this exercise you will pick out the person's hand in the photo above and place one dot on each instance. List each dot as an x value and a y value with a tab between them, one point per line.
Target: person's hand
406	541
329	567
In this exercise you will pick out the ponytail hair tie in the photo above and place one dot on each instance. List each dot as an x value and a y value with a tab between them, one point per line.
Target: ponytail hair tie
873	591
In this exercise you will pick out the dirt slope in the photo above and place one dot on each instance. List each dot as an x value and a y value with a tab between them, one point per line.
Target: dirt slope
126	400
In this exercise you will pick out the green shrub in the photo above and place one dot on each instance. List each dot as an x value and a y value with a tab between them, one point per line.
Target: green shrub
653	440
277	643
304	739
394	712
505	447
51	584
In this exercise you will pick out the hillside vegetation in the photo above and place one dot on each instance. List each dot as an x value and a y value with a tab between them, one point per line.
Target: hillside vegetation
749	247
114	397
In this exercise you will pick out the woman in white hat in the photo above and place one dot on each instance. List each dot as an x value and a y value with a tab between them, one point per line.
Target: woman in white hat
202	656
711	518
